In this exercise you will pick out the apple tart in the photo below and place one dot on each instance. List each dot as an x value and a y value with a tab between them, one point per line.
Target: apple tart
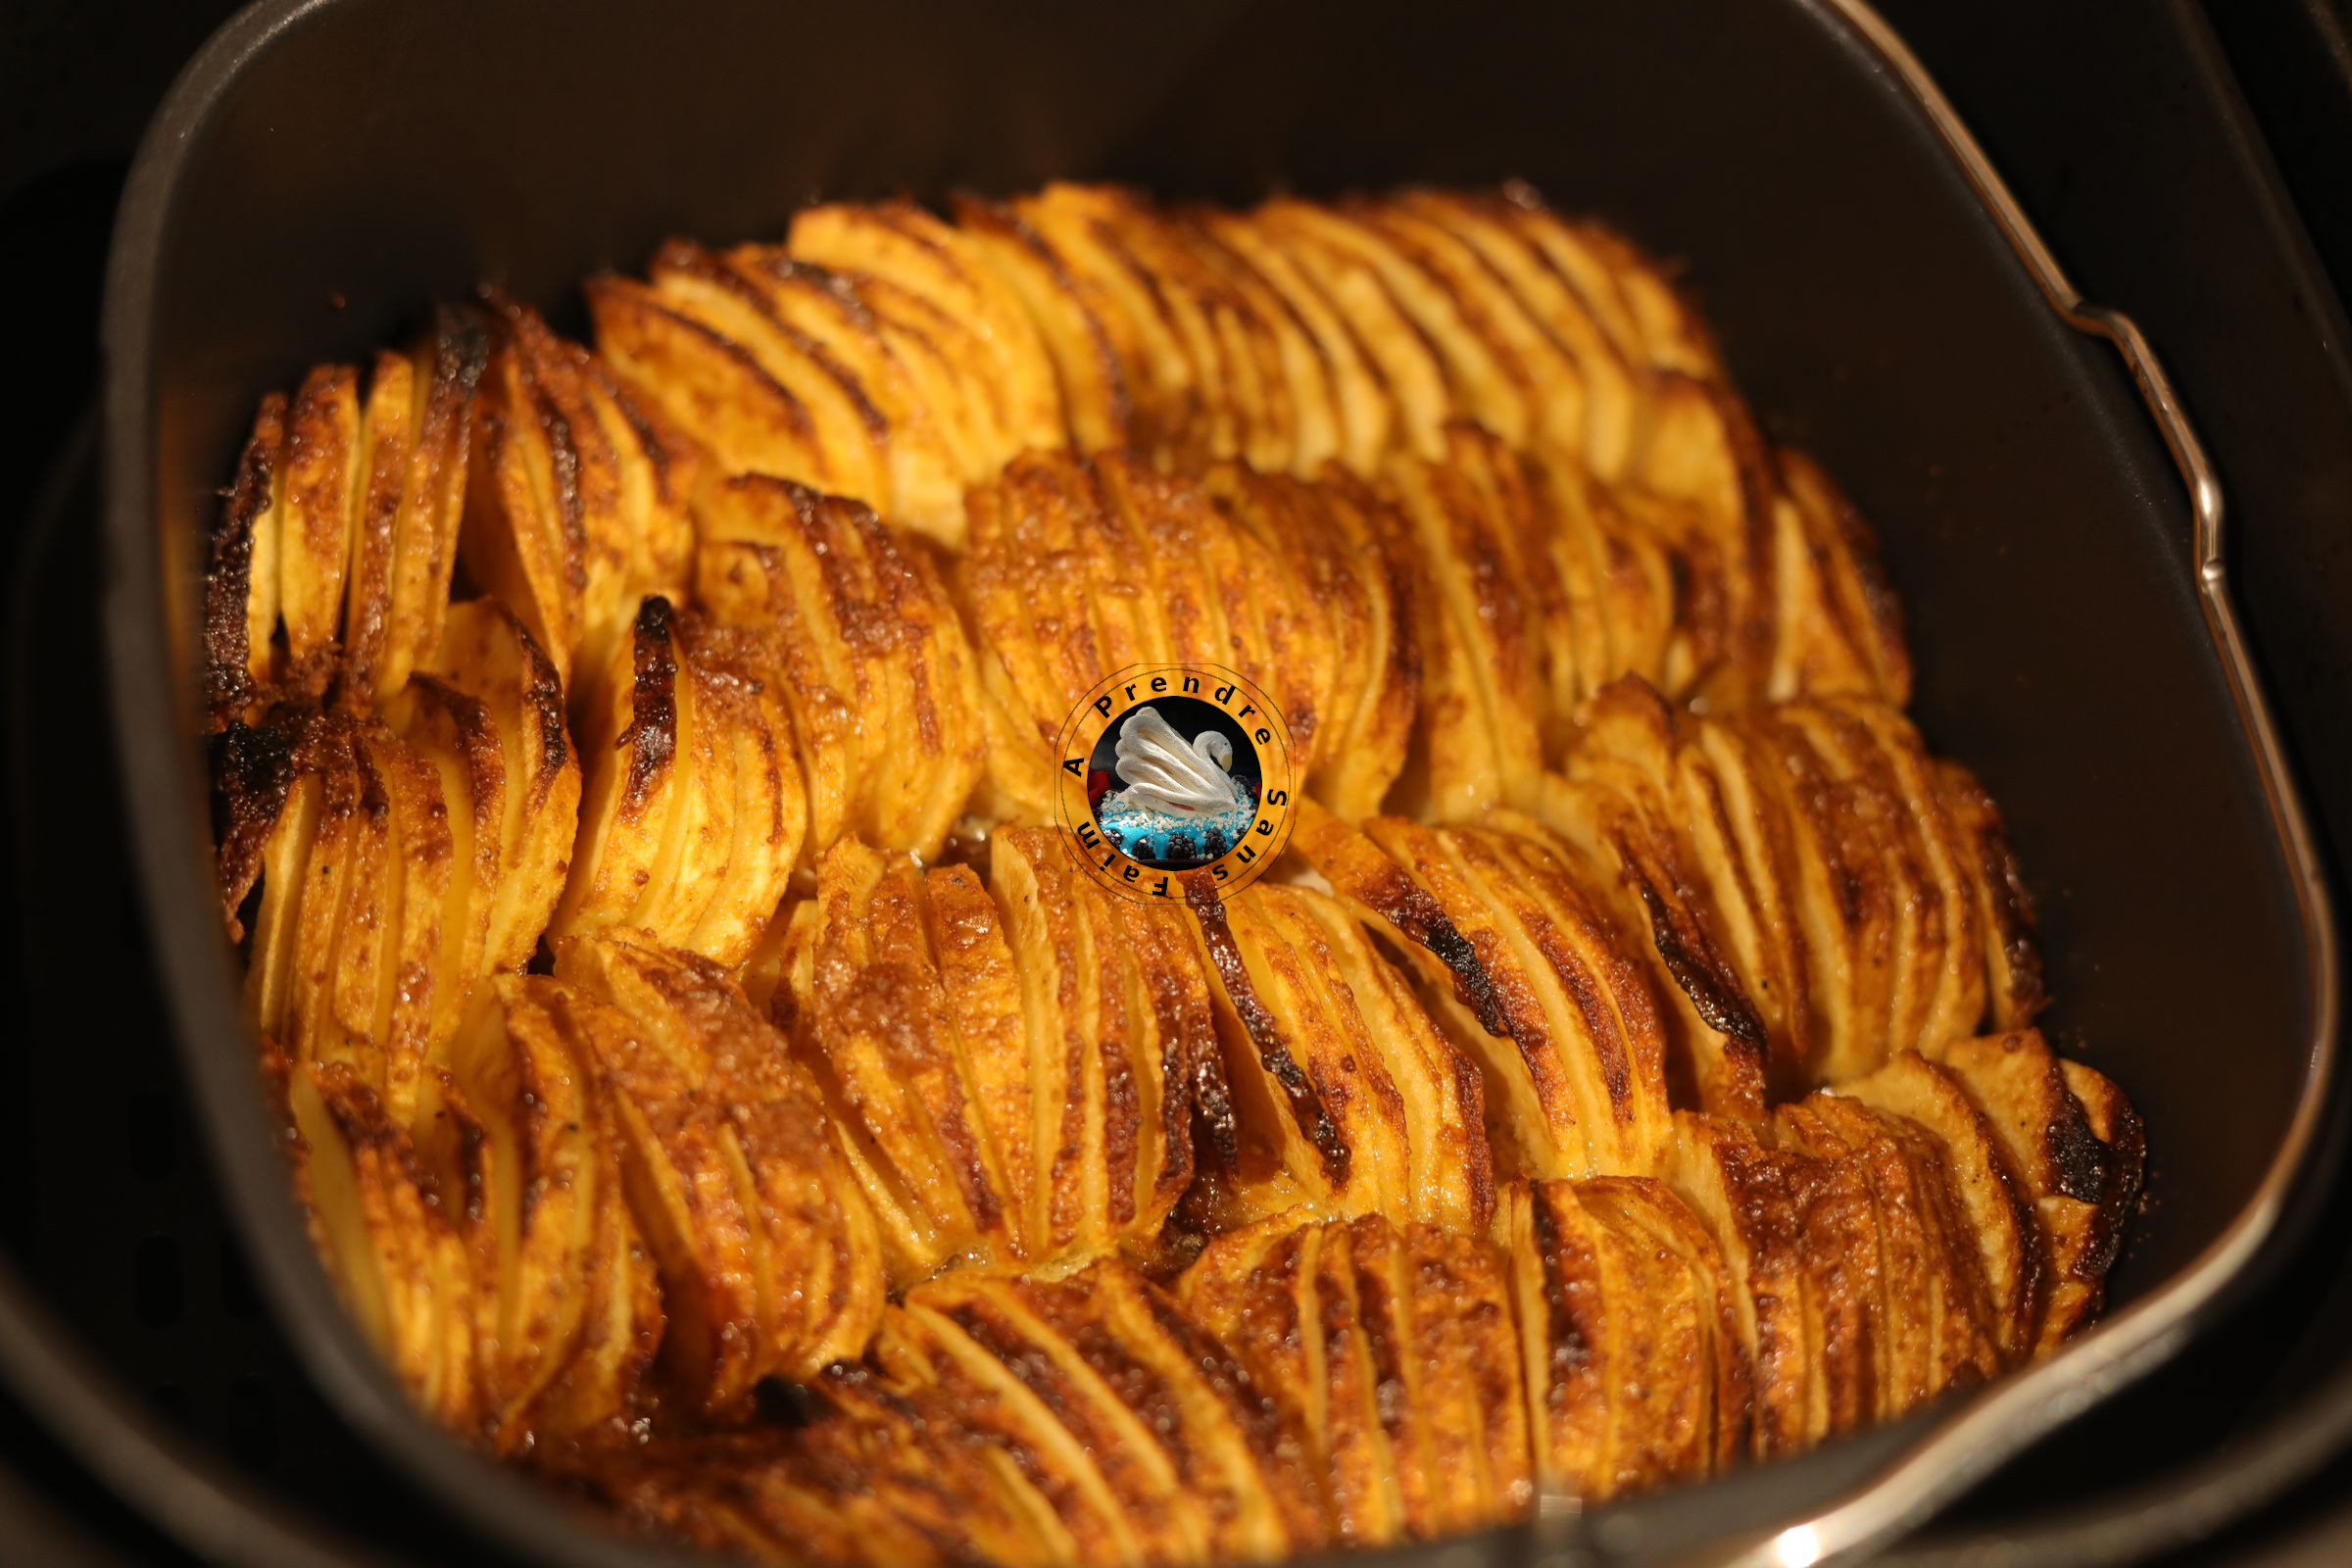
718	1080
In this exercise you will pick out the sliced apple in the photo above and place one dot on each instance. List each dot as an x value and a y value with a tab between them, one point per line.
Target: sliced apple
241	575
769	1258
1074	323
948	271
489	657
868	650
577	496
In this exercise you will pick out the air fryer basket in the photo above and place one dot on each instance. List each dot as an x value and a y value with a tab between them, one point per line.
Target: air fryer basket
326	167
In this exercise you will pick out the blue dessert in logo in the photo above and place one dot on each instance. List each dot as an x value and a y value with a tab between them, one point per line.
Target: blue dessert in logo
1169	798
1163	838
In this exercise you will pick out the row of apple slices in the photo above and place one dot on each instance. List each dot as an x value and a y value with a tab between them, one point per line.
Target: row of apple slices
331	559
1566	980
1015	1070
887	353
1442	626
1311	1382
604	1168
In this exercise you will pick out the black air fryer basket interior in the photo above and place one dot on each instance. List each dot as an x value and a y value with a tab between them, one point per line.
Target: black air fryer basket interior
325	170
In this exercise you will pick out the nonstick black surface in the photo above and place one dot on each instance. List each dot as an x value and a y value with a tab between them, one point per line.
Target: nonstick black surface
175	1347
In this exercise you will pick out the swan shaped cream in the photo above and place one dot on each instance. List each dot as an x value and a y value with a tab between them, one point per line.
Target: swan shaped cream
1166	773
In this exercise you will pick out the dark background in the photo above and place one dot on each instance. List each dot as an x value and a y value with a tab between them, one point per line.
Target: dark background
2189	164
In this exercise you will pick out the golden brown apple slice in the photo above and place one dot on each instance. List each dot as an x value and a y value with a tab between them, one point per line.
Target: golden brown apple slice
1797	1234
417	422
1281	1295
1996	1215
922	481
966	1344
875	1018
317	518
1551	299
769	1258
1091	363
1327	356
1609	819
567	1311
869	655
1582	1083
746	411
1932	1312
395	1260
1838	626
1172	385
1121	1046
1302	428
1618	1335
448	366
1233	330
1482	350
847	434
1479	740
950	272
1435	1309
1910	947
1343	548
1183	1449
1468	307
577	504
1642	1209
1353	288
1339	1076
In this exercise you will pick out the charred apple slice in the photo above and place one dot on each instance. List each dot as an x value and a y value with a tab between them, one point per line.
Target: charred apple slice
2082	1175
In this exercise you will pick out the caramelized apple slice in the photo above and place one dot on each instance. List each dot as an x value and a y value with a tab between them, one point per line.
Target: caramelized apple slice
949	273
1480	739
1382	336
768	1255
388	1247
1618	1335
874	1015
869	655
567	1313
578	496
2008	1243
489	658
1339	1076
1069	318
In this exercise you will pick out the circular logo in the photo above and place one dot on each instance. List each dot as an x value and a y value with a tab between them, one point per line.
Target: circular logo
1172	774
